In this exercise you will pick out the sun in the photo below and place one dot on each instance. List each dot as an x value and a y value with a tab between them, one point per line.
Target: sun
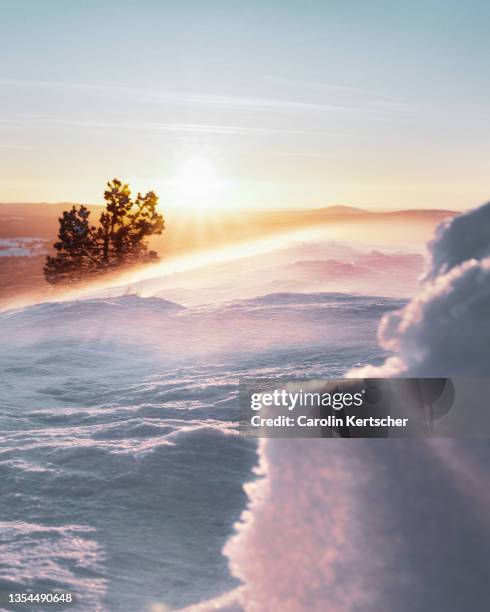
197	177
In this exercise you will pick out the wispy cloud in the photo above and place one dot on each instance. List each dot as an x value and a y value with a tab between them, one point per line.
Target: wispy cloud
197	128
202	99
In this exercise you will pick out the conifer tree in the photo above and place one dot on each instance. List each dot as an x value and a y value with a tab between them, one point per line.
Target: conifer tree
118	240
77	250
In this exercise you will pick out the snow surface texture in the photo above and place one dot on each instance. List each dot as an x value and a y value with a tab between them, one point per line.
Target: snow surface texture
121	467
383	525
460	239
288	265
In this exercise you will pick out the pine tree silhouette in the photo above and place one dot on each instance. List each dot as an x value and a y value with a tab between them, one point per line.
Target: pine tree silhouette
118	240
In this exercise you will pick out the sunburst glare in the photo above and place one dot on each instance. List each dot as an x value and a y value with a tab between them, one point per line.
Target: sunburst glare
198	178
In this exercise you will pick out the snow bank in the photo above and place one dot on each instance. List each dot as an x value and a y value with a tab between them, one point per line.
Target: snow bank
383	525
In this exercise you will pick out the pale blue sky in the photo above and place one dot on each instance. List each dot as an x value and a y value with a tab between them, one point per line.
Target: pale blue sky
376	104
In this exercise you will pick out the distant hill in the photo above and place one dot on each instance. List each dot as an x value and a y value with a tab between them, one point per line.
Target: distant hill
41	221
417	211
21	261
342	210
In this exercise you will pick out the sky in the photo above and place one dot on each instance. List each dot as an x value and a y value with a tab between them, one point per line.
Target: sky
257	104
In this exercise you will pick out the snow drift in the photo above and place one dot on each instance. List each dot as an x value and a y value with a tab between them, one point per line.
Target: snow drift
445	331
383	525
